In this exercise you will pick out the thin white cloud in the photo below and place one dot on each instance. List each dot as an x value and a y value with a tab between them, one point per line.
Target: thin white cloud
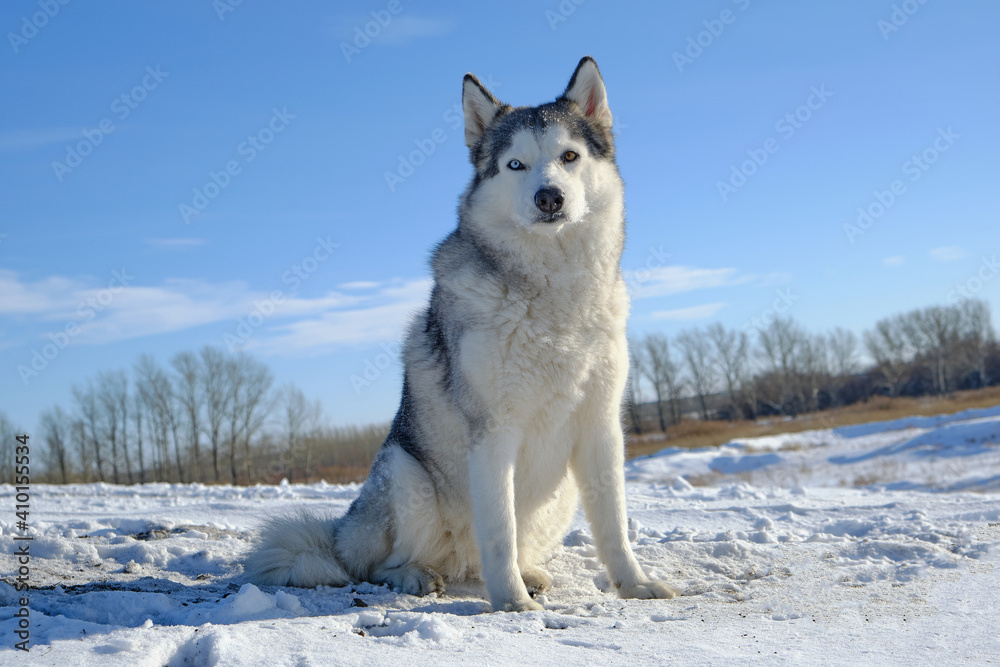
400	30
359	284
47	296
702	312
185	304
105	312
405	29
667	280
947	253
176	243
175	306
383	322
894	261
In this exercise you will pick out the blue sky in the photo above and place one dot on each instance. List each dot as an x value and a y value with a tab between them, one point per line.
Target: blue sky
171	170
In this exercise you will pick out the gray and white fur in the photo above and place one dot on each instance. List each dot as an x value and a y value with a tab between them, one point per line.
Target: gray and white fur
513	378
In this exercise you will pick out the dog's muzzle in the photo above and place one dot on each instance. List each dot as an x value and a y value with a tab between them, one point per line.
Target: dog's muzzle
549	201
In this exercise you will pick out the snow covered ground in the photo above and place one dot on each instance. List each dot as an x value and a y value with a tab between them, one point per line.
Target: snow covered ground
870	544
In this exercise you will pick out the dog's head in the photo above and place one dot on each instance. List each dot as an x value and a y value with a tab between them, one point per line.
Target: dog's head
542	167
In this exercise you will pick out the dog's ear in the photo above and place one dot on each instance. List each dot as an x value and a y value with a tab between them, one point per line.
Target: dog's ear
586	89
480	109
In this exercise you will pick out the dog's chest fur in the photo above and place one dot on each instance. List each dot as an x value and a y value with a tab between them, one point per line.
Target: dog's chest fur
534	347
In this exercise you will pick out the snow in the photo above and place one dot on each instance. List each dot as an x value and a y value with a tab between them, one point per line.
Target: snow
869	543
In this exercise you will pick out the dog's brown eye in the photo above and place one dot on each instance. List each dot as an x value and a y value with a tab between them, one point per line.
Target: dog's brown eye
569	156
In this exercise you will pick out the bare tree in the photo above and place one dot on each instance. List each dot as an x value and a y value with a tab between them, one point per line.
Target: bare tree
977	330
56	425
934	333
89	411
731	349
248	382
843	346
113	400
234	399
81	445
312	430
815	367
123	396
749	384
662	374
918	345
888	347
109	421
158	393
216	396
189	394
696	349
137	412
253	403
146	404
299	420
779	345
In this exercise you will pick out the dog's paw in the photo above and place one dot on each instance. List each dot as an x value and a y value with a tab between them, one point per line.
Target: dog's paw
521	605
535	580
648	590
413	580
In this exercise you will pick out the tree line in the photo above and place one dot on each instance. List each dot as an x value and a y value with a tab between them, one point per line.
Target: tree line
782	369
214	416
210	417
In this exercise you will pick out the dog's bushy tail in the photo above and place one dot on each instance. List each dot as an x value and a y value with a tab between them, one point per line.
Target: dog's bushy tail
296	550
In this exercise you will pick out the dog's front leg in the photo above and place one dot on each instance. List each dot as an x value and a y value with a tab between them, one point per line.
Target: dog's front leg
491	477
599	466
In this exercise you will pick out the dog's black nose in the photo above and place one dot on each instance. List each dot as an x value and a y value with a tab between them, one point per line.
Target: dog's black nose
549	200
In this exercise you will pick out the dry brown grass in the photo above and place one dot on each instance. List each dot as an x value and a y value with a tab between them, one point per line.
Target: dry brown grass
695	434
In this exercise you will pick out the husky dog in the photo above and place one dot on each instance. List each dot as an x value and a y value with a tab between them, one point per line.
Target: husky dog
513	378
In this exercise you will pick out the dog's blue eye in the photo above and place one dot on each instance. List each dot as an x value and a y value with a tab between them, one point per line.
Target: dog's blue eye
515	165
